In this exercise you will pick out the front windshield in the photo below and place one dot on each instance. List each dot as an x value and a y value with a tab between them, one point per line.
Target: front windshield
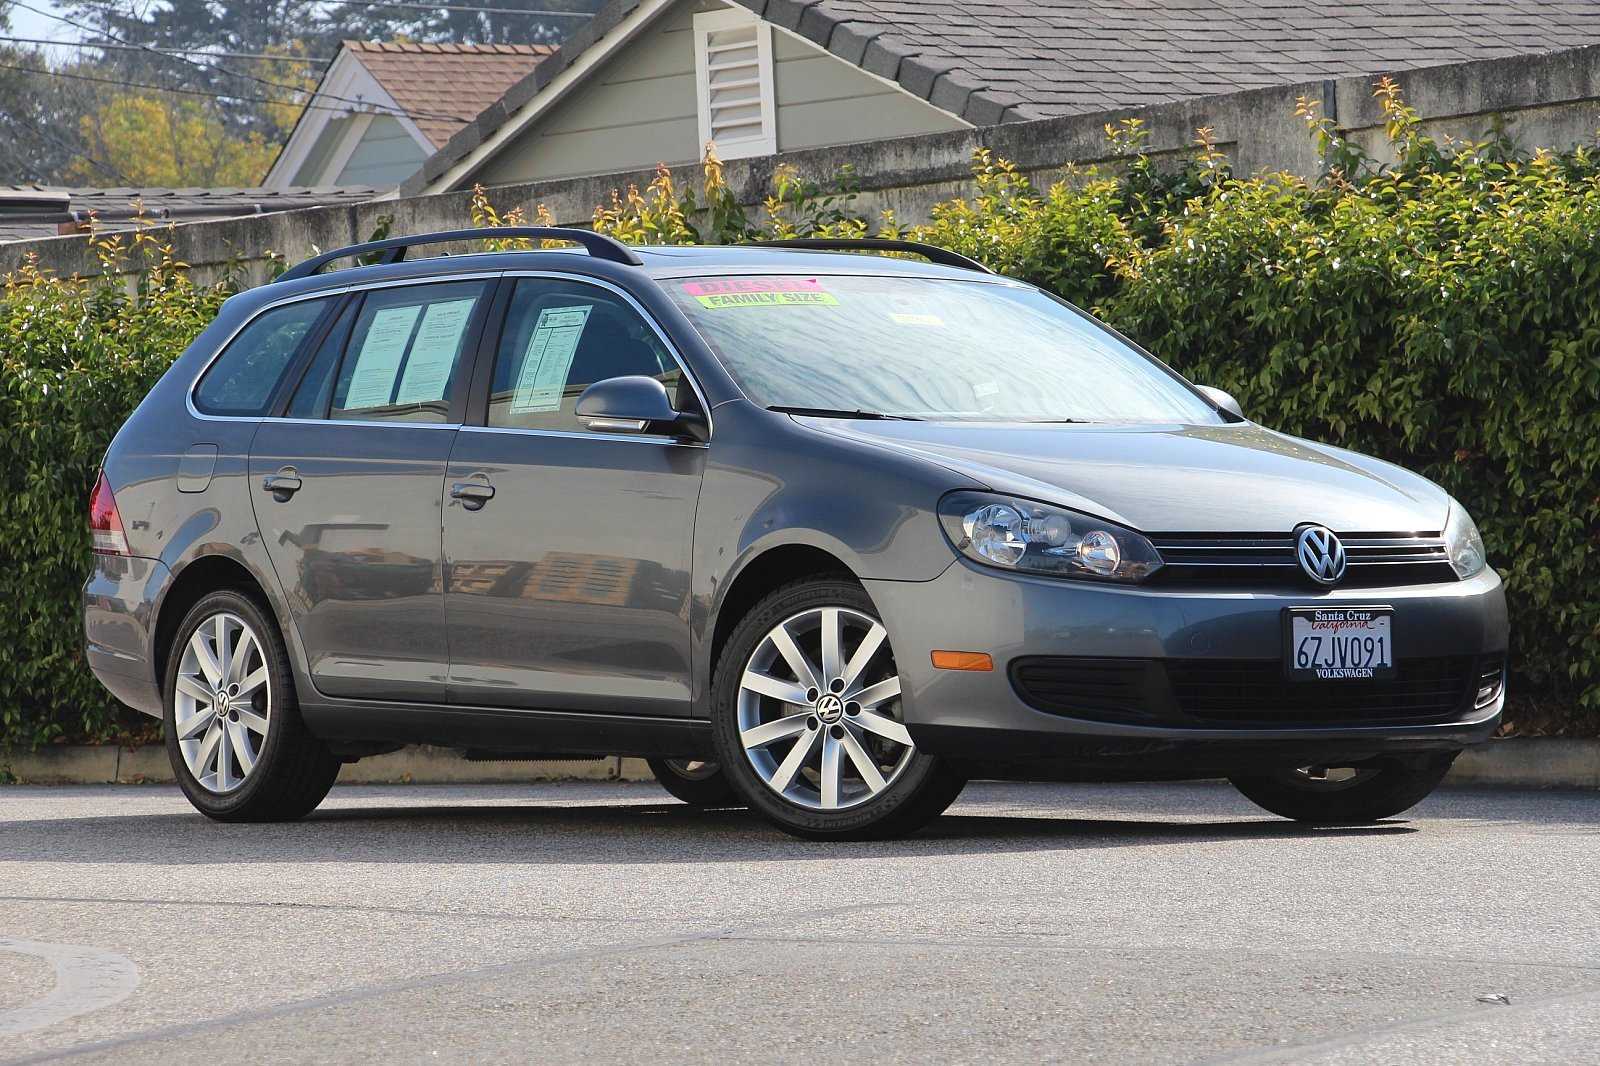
927	348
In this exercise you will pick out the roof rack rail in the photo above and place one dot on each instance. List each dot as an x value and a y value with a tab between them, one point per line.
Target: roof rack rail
597	244
932	253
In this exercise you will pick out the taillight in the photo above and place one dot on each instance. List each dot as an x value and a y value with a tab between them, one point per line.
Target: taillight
105	525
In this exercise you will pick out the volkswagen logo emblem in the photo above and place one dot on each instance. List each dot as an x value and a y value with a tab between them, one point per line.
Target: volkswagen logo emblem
1320	553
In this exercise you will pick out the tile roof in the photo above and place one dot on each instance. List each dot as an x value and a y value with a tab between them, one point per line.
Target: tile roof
444	86
993	61
28	211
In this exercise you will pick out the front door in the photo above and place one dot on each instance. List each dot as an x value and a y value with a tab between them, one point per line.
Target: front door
567	551
348	489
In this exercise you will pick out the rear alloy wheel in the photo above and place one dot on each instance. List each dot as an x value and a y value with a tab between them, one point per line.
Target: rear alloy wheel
1348	795
697	782
233	729
808	718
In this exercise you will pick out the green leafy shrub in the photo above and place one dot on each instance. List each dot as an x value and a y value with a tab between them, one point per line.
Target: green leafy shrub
75	359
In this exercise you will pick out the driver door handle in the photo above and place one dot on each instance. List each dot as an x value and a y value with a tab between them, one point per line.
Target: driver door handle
282	485
472	494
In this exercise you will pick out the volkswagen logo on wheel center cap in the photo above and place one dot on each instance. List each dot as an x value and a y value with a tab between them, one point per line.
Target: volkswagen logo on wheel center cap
1320	553
830	708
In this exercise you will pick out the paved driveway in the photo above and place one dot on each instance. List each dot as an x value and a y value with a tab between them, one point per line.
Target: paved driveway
603	923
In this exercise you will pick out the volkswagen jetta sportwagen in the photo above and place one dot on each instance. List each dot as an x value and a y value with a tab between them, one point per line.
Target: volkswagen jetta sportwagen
825	534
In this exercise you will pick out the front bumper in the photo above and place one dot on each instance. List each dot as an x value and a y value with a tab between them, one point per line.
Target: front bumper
981	716
118	615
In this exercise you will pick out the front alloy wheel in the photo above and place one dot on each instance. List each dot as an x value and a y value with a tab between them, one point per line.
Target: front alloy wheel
808	718
819	710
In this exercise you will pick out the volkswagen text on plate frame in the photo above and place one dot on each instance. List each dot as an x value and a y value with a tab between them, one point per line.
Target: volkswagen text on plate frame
822	533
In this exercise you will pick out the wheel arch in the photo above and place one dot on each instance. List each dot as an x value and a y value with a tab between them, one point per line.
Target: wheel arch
763	572
202	576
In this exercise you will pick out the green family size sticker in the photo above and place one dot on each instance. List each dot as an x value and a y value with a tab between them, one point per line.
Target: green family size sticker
760	292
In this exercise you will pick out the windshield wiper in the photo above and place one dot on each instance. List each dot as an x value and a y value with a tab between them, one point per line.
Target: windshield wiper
829	412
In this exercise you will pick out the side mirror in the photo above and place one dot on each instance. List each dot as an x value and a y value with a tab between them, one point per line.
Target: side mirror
635	404
1223	400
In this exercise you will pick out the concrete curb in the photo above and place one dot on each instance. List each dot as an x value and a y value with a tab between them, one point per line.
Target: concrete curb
1522	762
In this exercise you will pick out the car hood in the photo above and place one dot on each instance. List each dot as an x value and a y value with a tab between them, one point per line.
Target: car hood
1170	478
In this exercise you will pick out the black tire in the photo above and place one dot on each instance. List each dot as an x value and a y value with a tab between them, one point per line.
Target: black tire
697	783
1379	790
293	770
923	787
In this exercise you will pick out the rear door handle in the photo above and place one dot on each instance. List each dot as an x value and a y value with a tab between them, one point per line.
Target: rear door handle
472	494
282	485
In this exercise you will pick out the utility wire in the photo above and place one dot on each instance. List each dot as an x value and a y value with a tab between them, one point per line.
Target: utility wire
99	164
108	46
169	89
217	68
461	7
406	4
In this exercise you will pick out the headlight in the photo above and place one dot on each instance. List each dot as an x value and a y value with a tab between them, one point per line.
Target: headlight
1462	541
1036	538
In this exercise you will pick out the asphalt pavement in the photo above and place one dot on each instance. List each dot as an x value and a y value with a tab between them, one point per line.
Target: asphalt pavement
606	923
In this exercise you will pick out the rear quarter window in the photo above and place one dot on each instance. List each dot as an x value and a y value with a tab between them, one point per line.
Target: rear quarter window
242	380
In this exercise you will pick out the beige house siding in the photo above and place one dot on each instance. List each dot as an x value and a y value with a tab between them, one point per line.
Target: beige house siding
638	109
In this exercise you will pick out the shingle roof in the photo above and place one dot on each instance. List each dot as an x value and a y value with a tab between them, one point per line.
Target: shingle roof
1003	60
29	211
442	87
993	61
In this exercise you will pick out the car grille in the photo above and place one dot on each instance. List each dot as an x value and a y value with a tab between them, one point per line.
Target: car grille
1252	692
1245	559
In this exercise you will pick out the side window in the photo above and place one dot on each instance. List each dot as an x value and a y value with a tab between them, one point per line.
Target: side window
244	376
406	342
560	337
312	395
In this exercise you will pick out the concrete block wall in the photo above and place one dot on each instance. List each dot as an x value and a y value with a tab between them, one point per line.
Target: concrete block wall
1550	101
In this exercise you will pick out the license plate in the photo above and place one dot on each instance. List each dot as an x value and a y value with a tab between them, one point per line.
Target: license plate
1338	643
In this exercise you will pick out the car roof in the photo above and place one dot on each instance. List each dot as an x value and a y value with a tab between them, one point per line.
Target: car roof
659	262
692	260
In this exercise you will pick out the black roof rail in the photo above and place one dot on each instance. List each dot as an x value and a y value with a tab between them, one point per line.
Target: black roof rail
597	244
932	253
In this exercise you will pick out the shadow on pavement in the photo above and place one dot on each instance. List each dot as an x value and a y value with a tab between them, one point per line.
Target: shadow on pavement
610	833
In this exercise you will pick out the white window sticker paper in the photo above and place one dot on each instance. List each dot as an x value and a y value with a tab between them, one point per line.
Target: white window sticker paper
433	353
372	380
549	357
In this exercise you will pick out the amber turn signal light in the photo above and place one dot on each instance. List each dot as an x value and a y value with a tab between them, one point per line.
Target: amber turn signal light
962	660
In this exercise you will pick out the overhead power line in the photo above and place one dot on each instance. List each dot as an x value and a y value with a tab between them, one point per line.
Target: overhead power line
170	89
218	68
461	7
112	47
45	135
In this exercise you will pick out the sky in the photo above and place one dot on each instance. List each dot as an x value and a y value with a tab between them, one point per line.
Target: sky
27	24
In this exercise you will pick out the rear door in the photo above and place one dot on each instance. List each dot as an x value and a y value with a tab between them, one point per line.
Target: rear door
348	483
568	550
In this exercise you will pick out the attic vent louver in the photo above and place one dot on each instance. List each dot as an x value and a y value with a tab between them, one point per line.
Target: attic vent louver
733	82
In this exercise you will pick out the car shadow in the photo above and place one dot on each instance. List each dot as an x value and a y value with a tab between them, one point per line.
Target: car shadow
600	834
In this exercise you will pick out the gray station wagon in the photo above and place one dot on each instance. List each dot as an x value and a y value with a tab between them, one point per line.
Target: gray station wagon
818	532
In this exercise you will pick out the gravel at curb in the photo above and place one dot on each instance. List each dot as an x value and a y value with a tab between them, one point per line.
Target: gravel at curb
1524	762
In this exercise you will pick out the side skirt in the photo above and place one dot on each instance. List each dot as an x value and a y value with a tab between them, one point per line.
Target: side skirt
526	733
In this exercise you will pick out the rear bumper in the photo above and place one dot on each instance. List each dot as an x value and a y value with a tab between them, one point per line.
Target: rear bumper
982	716
118	614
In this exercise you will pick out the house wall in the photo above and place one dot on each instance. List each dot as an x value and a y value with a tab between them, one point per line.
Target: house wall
386	155
1548	101
321	154
638	109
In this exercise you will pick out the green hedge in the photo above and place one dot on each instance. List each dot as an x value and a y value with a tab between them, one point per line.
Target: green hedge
1442	311
75	359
